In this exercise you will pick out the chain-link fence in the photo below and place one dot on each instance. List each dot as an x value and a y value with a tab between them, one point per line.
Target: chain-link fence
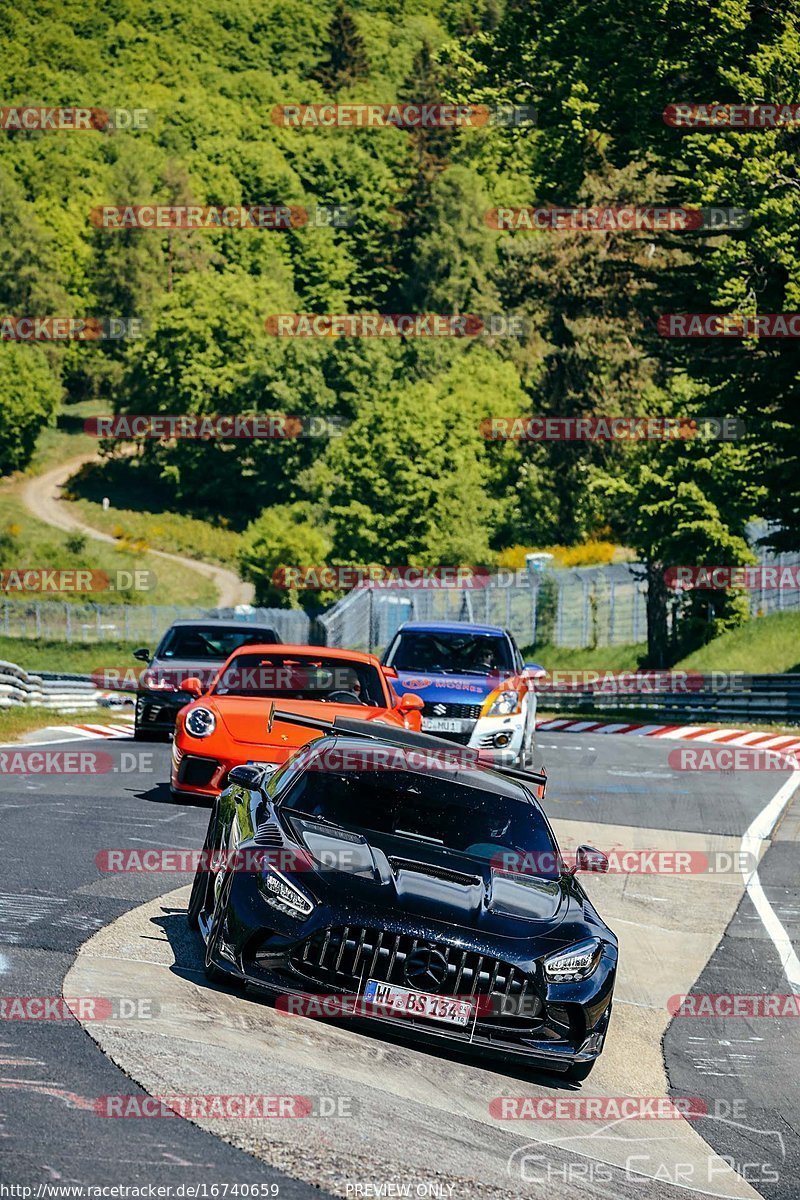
145	623
589	606
581	607
584	606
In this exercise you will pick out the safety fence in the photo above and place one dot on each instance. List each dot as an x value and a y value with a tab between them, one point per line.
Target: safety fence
581	607
52	620
578	607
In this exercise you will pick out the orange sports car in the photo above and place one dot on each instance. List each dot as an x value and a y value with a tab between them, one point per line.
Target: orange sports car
226	725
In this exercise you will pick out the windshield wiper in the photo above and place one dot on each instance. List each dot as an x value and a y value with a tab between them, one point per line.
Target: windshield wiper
420	837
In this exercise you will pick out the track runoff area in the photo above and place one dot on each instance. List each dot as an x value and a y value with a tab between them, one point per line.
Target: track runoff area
182	1084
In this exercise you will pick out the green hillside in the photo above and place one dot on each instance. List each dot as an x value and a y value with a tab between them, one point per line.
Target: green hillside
403	220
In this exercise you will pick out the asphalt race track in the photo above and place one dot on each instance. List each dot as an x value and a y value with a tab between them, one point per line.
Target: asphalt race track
386	1115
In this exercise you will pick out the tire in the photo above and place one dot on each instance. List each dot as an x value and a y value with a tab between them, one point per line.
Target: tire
213	973
579	1071
143	735
200	884
526	749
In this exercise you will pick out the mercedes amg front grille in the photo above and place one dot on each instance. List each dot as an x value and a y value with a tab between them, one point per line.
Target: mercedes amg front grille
345	956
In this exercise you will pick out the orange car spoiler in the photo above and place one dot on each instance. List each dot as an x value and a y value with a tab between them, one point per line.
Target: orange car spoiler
374	731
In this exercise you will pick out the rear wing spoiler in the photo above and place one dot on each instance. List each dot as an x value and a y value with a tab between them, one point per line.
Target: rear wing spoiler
403	738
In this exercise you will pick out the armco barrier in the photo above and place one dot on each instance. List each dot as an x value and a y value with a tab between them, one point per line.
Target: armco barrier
60	693
752	699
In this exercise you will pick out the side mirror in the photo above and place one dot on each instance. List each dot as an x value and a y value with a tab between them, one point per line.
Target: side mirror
410	702
589	859
143	654
192	685
246	776
535	670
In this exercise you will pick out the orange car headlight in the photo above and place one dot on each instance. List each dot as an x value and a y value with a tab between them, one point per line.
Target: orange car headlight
200	722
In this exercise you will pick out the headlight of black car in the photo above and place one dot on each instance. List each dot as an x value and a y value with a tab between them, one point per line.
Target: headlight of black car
573	963
283	895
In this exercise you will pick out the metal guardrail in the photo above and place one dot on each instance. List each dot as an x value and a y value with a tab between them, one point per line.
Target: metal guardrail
755	698
63	694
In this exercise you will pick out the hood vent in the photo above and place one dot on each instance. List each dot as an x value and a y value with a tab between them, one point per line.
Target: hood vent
444	873
268	834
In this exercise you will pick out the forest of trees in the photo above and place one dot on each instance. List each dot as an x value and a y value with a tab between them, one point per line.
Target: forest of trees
412	478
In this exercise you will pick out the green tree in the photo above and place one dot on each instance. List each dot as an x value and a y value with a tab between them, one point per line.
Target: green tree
283	537
345	57
685	509
29	397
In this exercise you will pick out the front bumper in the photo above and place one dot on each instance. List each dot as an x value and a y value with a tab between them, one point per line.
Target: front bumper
500	738
156	711
195	774
518	1014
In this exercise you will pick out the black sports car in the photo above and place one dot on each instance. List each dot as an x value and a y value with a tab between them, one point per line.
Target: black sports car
420	889
195	648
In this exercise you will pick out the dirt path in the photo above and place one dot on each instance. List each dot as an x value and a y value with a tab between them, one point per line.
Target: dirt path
41	495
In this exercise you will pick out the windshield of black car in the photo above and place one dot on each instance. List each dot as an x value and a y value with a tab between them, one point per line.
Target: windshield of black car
451	653
196	643
299	677
431	809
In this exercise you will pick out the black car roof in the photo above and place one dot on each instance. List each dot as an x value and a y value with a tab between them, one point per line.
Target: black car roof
233	623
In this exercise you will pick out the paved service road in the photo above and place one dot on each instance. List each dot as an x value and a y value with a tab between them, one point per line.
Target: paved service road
414	1116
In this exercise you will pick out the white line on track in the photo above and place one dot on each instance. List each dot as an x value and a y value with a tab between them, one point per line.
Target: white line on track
758	831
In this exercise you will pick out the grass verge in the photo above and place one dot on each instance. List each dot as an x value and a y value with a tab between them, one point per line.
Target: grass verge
77	658
16	722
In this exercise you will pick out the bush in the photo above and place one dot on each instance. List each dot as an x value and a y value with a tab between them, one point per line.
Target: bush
283	536
29	397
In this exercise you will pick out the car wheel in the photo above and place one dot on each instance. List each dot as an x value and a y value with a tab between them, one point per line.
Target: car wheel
202	879
579	1071
213	973
526	750
143	735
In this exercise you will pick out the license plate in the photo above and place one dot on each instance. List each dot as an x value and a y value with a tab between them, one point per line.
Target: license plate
443	724
399	1001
